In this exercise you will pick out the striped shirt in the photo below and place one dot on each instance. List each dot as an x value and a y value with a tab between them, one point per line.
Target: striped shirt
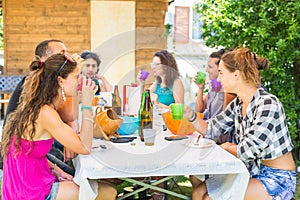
262	134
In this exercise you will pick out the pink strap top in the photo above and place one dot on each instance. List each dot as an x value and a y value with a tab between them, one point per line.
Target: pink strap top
27	175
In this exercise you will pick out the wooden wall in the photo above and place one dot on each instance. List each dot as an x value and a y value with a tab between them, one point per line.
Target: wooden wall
150	38
28	22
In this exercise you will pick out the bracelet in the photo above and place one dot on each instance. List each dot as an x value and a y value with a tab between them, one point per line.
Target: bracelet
194	117
89	119
86	108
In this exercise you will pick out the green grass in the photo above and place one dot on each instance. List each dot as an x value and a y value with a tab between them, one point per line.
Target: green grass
183	182
297	193
186	187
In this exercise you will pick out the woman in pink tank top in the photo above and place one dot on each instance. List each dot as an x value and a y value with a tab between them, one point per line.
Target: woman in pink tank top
30	130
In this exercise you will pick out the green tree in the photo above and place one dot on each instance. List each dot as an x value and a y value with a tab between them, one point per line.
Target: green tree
271	29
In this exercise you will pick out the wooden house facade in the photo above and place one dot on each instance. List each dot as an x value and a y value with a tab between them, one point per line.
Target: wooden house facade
27	22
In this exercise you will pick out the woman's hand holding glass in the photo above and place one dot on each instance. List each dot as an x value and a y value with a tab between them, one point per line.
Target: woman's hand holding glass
188	112
138	77
88	91
199	124
200	86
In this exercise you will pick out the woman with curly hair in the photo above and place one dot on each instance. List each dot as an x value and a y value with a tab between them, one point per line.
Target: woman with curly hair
31	129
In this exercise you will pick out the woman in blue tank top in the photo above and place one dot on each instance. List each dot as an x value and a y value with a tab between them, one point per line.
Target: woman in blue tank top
167	88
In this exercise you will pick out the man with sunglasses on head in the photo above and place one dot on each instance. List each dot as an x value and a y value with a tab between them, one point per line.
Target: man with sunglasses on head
62	170
44	50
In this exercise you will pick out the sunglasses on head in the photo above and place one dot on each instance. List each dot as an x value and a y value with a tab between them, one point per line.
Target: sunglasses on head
68	58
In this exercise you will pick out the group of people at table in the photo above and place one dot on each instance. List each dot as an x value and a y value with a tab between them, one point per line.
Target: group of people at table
241	116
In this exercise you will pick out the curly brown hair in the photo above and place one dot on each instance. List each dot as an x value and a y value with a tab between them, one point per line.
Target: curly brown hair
170	67
40	88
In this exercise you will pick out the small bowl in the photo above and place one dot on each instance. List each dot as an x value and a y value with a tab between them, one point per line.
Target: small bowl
128	126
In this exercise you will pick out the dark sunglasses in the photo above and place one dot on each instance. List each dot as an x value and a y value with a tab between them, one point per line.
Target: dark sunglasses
68	58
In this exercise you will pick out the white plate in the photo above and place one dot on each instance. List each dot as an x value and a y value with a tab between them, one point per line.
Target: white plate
202	143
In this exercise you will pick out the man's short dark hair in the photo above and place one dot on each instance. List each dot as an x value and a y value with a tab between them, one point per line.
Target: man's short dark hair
42	49
88	54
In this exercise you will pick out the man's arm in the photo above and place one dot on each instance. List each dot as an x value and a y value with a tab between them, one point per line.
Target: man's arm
68	110
59	173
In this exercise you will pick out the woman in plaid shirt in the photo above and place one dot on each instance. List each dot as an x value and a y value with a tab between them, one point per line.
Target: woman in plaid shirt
257	118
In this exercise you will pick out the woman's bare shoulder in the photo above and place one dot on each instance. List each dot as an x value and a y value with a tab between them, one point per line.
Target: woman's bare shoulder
48	119
178	82
48	113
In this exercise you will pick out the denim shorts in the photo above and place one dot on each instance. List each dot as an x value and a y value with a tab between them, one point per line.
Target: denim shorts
53	192
280	184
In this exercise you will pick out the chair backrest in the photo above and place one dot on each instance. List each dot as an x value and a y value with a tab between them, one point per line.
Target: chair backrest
9	83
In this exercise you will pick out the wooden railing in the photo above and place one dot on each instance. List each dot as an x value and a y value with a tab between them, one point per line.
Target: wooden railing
8	84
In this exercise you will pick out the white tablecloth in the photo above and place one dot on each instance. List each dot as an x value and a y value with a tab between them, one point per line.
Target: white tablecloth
228	175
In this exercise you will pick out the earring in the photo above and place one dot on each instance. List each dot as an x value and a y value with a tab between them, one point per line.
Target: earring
63	93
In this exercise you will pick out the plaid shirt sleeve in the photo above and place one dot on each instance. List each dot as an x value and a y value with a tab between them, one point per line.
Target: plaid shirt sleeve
222	123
